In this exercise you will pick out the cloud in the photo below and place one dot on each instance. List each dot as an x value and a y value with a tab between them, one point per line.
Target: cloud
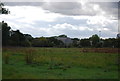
57	29
75	8
75	19
70	8
110	9
23	3
30	14
81	8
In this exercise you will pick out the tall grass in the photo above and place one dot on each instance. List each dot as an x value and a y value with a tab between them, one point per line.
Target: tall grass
58	63
30	55
6	57
64	56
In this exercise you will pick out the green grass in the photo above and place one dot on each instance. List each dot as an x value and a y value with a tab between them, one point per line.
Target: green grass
60	63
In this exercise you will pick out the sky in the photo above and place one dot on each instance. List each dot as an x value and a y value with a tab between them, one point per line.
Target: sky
76	19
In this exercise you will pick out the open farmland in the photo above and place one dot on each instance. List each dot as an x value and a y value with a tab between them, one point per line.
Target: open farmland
60	63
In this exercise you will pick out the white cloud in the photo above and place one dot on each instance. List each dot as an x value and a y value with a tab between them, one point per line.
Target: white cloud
99	20
30	14
61	29
99	23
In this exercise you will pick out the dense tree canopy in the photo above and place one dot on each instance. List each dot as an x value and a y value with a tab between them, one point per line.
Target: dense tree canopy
5	33
76	42
95	40
13	38
16	38
85	42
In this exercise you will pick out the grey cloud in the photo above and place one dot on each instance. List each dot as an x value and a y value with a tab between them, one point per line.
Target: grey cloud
76	8
72	8
65	8
111	8
23	3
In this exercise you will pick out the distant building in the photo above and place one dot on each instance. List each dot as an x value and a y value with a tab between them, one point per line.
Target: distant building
66	40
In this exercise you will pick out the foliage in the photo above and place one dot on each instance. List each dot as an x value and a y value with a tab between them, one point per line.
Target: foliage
76	42
85	43
111	42
95	39
28	37
55	42
62	35
5	33
19	39
40	42
46	42
16	38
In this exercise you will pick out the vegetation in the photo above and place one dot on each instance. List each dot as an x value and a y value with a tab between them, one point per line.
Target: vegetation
29	56
22	61
59	63
16	38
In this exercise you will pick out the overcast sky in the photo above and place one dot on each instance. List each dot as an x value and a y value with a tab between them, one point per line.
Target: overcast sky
79	19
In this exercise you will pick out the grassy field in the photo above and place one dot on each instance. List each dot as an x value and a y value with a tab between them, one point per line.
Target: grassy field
58	63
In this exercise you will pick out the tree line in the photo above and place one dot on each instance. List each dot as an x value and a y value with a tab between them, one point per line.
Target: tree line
16	38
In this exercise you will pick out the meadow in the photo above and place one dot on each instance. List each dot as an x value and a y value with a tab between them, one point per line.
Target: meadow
59	63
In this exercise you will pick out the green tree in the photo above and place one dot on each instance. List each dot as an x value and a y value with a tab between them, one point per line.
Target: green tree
85	42
28	37
117	43
46	42
53	42
111	42
76	42
40	42
5	33
18	39
62	35
95	40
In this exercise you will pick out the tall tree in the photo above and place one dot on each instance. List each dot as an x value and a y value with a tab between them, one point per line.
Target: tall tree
55	42
5	33
95	40
76	42
19	39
